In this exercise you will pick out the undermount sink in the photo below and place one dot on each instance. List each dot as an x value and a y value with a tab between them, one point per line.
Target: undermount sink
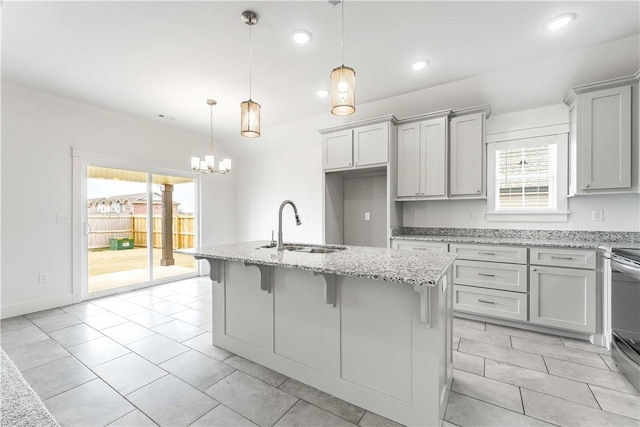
309	249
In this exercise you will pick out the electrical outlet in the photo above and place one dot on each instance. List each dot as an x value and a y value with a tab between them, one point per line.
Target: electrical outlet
62	219
597	215
43	277
469	216
367	216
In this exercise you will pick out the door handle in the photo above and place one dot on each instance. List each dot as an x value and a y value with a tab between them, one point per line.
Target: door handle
87	229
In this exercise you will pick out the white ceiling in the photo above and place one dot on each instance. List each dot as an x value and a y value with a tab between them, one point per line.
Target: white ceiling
149	58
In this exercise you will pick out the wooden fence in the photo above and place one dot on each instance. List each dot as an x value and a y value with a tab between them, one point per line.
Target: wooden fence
105	227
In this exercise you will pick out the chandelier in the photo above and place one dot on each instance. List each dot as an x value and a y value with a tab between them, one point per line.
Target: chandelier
208	165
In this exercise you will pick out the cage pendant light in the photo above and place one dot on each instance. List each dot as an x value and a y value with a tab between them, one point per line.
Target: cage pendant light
208	165
250	110
343	83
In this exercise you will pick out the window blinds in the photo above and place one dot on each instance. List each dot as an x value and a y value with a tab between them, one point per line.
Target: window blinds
526	178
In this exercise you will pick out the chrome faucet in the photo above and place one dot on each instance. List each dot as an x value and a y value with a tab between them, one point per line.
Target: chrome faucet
298	222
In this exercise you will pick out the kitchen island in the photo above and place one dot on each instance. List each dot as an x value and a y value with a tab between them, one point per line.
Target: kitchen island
372	326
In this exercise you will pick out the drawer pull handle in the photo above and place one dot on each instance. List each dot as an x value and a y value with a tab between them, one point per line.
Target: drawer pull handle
561	257
486	274
419	249
486	302
486	253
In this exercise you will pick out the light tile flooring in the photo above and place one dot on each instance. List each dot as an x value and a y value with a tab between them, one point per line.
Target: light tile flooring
145	358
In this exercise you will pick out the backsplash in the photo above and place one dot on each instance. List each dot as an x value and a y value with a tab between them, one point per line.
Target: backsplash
575	235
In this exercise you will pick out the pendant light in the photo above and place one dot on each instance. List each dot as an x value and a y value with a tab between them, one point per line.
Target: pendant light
343	82
250	110
208	165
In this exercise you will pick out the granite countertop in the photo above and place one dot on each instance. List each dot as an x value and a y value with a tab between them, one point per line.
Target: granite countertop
406	267
607	246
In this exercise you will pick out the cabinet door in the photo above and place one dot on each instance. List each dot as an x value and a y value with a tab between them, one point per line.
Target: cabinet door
371	144
563	298
433	157
467	155
606	139
408	167
338	151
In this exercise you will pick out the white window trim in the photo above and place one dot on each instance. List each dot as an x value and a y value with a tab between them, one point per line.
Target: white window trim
560	214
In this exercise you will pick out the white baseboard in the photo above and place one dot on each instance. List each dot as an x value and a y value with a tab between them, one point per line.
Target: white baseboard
31	306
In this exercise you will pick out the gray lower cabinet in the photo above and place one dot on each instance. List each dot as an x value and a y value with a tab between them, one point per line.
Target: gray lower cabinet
563	298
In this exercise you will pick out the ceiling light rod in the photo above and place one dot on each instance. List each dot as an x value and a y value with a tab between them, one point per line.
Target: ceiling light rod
250	110
343	81
208	164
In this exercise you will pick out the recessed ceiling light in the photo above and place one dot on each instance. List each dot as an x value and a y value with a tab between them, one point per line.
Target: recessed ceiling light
301	36
322	93
420	64
560	21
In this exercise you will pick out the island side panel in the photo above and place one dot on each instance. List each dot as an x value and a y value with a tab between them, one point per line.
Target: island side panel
373	350
299	316
248	310
376	336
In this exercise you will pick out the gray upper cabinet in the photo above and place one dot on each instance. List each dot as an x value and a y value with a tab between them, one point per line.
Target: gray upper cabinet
338	150
600	145
409	160
371	144
467	153
422	158
356	146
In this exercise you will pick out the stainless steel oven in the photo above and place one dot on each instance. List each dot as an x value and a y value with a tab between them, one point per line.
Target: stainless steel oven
625	312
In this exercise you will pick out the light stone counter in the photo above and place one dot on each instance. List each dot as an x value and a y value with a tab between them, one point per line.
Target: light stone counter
575	244
549	238
390	265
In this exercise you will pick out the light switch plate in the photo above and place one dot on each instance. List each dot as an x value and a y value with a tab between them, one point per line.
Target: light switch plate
367	216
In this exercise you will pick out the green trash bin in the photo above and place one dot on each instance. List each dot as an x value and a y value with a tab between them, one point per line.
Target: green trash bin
120	243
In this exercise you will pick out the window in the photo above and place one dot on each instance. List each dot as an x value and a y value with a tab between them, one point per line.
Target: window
528	179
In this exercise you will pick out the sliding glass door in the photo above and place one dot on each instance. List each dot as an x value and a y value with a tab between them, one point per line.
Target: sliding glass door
134	221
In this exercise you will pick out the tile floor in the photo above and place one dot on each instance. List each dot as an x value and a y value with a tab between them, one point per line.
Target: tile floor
145	358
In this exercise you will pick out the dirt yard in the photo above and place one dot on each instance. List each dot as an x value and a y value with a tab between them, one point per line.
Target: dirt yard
103	261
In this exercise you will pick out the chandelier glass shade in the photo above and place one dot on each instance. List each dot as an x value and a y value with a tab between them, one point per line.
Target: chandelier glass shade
250	119
343	91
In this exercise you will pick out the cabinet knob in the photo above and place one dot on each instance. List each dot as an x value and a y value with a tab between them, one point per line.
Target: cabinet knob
477	191
587	186
349	164
417	194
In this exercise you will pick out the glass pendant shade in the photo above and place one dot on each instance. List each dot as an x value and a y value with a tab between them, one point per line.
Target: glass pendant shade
343	91
250	119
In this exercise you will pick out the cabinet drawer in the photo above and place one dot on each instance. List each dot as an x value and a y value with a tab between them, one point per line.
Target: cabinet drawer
564	257
512	254
489	302
508	277
421	246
